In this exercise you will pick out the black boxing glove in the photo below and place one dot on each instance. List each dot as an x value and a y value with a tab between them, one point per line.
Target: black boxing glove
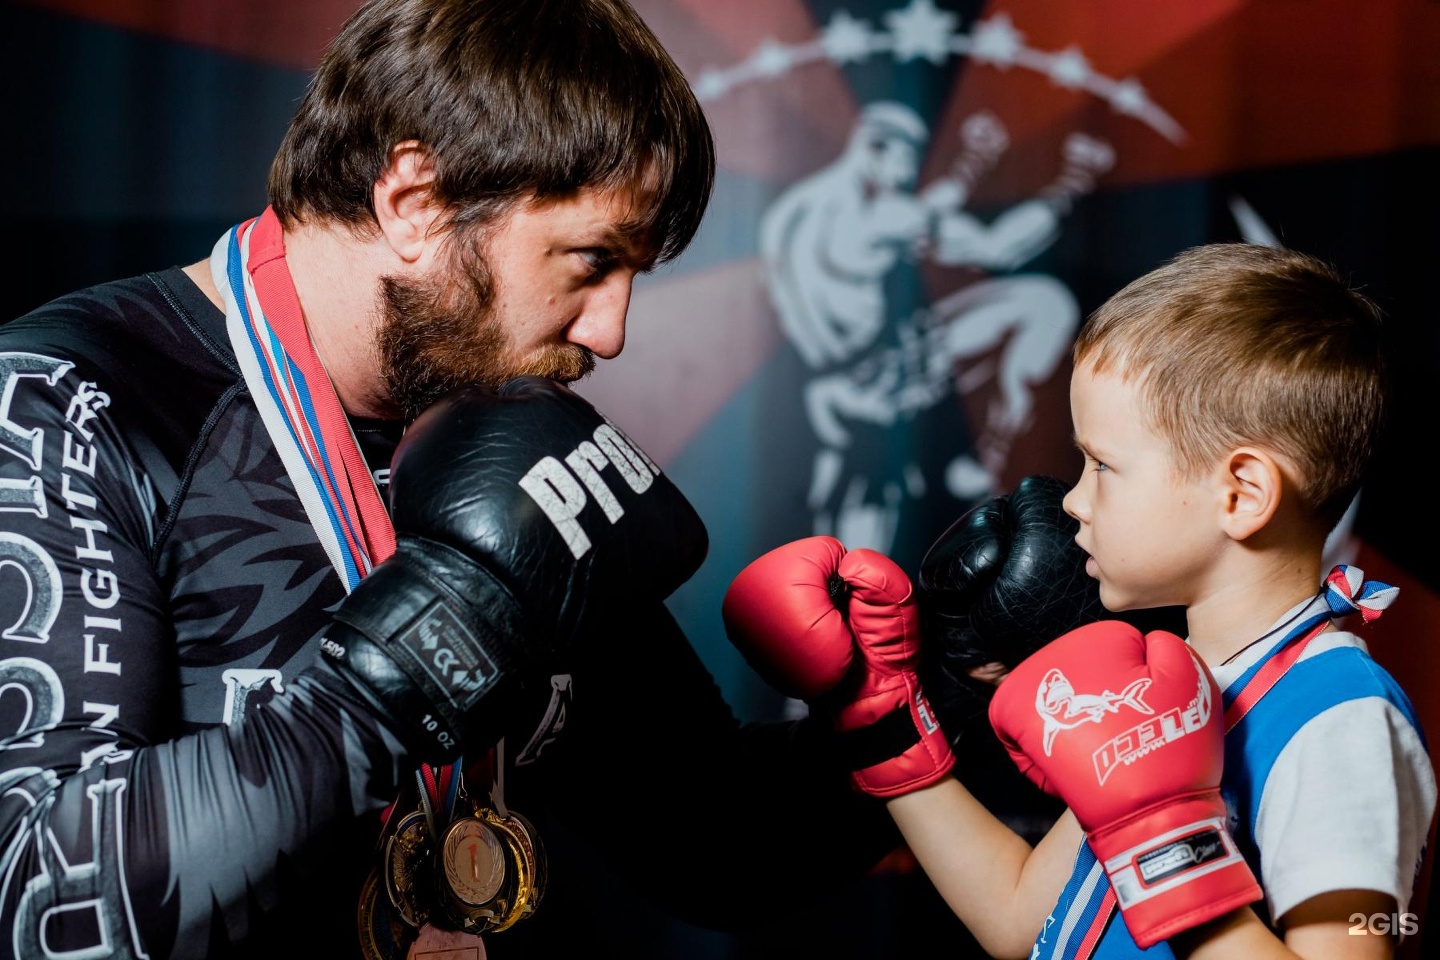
521	516
1001	582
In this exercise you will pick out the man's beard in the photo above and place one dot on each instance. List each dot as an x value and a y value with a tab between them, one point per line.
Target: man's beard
441	332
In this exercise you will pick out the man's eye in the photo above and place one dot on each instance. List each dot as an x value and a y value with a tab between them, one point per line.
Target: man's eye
597	259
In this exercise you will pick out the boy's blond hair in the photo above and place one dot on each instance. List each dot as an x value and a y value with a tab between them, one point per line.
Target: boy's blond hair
1235	344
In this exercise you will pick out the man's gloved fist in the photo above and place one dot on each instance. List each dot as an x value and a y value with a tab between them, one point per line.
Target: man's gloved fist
522	516
1000	582
1127	728
840	628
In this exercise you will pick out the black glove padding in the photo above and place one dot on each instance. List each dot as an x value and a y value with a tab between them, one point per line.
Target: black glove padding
1001	582
522	515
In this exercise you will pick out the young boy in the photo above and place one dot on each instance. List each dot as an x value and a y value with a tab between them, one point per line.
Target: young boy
1226	404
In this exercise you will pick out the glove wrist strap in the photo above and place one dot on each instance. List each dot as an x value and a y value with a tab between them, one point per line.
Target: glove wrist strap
902	750
1174	866
409	639
885	739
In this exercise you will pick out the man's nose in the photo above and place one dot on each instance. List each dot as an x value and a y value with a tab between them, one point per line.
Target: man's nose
601	323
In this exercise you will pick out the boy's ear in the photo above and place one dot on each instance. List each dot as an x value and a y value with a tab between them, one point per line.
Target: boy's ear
1252	485
404	205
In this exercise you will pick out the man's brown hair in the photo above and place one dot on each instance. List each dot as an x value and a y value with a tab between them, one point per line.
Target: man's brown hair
510	98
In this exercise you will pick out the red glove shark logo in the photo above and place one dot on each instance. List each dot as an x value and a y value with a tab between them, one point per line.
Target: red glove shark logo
1061	708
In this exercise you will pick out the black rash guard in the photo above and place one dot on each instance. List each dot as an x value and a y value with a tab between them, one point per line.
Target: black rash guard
182	775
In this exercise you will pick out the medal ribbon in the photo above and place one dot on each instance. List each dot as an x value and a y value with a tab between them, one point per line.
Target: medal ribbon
304	418
296	399
1343	591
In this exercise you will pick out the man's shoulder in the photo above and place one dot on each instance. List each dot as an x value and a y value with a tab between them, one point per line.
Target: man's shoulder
149	351
150	335
162	312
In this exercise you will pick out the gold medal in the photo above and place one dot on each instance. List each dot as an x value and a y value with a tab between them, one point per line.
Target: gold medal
472	861
409	878
491	871
527	898
382	935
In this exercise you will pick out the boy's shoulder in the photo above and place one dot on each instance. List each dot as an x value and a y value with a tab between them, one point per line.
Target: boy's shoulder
1337	668
1333	712
1334	668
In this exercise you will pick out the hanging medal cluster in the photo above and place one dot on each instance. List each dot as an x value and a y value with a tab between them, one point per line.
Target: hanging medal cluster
447	860
458	861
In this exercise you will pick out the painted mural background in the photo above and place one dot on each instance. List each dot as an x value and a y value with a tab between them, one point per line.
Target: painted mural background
918	202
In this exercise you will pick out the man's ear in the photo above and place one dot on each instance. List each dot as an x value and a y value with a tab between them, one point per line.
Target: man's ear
1252	483
404	206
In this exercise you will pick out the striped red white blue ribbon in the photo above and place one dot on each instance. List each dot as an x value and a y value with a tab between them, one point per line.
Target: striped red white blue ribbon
296	399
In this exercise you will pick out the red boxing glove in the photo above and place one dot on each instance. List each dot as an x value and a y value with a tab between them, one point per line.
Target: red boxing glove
779	613
816	621
1139	767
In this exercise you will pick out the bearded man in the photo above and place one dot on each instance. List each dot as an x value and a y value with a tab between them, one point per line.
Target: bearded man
331	619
